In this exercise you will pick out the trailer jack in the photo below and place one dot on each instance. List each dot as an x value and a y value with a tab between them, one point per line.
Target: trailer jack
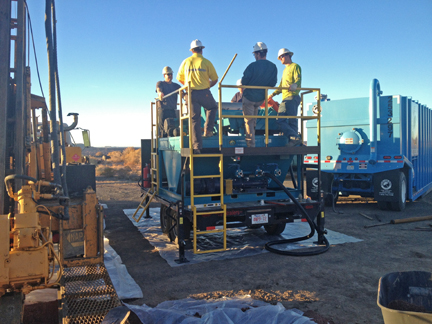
321	238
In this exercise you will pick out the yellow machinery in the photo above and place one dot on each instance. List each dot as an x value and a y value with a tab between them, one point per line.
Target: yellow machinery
51	224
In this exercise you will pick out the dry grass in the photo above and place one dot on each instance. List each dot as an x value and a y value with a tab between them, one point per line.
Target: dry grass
122	165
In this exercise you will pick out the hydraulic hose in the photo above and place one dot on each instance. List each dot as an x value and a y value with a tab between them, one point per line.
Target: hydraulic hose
312	225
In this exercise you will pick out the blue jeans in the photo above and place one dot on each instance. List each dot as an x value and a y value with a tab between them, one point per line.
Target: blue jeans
289	107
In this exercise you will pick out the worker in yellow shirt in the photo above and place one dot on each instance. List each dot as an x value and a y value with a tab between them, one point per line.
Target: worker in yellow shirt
291	78
203	76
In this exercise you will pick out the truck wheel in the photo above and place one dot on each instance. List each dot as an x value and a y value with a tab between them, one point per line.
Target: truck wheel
275	229
400	204
164	219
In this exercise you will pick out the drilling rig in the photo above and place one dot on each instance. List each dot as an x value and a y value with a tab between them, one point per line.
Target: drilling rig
51	224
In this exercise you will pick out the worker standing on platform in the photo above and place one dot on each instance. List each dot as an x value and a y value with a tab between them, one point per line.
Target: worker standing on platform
259	73
166	107
291	79
203	76
239	95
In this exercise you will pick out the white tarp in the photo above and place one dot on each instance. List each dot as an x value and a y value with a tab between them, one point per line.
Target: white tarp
238	310
124	284
240	241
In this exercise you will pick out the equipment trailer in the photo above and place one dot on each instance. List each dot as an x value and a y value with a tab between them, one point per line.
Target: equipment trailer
378	147
229	184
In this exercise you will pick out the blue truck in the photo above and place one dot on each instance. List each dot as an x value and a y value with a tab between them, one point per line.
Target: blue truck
379	146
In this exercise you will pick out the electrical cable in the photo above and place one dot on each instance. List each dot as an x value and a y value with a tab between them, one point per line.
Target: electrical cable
313	227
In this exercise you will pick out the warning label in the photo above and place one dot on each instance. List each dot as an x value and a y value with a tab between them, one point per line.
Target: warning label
76	157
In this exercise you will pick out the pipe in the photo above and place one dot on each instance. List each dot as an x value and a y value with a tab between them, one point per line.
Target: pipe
74	124
375	92
52	93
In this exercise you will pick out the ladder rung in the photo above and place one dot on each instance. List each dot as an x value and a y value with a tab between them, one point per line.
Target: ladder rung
207	176
209	251
205	155
210	232
210	212
209	195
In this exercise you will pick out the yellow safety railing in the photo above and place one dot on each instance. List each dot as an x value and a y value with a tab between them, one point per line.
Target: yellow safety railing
266	116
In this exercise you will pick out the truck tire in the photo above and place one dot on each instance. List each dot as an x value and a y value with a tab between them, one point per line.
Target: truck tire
164	219
275	229
400	203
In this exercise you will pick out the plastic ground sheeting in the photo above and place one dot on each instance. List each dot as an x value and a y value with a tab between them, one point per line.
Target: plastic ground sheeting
241	242
238	310
124	284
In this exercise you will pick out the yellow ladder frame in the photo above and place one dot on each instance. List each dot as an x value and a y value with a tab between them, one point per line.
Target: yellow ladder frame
194	208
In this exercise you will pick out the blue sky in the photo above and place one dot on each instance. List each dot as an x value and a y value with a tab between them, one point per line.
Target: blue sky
111	53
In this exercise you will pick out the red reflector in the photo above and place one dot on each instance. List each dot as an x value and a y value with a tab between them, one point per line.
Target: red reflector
209	228
308	206
397	157
327	161
356	159
309	157
386	157
304	220
315	157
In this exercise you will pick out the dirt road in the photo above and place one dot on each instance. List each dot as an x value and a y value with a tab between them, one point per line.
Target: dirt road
341	284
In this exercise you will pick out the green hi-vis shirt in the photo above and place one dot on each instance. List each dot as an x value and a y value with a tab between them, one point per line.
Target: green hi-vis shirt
198	70
291	74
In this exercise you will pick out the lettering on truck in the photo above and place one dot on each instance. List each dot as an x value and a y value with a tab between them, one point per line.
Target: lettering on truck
390	117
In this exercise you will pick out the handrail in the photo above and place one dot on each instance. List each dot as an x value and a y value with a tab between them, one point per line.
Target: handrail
266	116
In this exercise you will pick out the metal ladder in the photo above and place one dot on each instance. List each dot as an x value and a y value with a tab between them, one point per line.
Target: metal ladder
196	213
154	176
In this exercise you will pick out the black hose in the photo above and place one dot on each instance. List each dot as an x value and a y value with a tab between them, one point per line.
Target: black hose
312	225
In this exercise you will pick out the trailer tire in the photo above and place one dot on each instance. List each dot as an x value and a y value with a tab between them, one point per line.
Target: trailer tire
164	219
275	229
400	204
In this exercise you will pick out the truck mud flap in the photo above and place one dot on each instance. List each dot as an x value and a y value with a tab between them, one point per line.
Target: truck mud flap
386	185
312	183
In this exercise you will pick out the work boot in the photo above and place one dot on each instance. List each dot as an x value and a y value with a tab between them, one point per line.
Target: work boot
208	134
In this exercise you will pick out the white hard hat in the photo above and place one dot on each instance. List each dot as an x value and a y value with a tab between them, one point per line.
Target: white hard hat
196	43
167	70
284	51
238	82
260	46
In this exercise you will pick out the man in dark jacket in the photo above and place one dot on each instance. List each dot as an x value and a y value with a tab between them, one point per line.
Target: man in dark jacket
259	73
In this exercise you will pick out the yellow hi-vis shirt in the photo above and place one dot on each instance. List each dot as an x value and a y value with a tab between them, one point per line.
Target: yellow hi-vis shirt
198	70
291	74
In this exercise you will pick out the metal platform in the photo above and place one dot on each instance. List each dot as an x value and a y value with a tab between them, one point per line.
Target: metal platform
87	294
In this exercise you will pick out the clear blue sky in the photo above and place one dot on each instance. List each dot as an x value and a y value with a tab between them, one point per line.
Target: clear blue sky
111	53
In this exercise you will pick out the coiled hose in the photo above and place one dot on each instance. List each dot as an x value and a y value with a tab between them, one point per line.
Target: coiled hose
312	225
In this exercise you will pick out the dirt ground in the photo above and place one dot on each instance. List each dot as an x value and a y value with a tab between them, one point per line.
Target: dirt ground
339	285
